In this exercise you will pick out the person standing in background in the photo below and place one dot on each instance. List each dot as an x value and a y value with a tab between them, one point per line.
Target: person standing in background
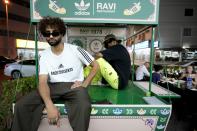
142	72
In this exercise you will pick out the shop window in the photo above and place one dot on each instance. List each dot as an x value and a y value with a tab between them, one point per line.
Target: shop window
189	12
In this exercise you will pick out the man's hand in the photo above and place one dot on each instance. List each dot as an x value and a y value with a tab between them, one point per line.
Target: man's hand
98	55
53	115
77	84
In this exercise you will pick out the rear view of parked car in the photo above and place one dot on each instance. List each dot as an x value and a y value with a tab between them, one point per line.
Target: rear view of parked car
23	68
4	61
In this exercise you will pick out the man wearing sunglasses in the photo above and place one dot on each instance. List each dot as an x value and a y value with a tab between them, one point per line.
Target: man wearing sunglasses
118	72
60	77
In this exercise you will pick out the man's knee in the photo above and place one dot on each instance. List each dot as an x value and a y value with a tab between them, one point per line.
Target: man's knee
22	103
82	93
19	105
83	96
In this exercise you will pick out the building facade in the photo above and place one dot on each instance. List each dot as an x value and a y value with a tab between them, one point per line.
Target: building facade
18	25
177	25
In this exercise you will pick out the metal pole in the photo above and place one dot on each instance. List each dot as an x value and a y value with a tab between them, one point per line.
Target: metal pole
133	61
151	60
7	26
36	54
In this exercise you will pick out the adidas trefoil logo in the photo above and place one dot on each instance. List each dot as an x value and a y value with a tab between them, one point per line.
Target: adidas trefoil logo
60	66
82	6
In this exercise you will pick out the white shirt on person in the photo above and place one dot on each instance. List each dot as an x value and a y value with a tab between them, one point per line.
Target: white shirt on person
66	67
141	72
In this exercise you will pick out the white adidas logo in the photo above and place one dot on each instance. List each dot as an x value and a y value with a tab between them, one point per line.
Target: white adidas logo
82	6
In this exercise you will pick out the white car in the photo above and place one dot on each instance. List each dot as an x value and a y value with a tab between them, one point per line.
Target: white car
23	68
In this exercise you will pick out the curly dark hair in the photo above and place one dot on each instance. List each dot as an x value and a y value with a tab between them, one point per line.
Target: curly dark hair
158	67
54	22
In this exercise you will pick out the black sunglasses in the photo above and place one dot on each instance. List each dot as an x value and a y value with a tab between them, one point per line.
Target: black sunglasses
48	34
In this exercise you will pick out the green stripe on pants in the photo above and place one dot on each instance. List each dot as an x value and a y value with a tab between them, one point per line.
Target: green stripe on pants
106	71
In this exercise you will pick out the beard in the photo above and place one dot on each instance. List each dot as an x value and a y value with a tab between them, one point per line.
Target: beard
53	42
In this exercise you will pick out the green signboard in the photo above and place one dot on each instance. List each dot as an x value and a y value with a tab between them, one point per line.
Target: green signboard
98	11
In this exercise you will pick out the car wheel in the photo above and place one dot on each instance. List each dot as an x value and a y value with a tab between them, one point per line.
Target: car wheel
16	74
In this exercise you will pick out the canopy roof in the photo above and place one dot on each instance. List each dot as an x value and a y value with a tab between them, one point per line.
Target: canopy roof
98	11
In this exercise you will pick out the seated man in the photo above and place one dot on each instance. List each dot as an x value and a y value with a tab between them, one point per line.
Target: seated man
156	77
142	72
60	77
114	62
189	74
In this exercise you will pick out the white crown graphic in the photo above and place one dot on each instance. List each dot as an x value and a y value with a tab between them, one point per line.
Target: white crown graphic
117	111
141	111
165	112
82	6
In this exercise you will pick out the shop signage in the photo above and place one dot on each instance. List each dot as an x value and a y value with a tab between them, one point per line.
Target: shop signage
96	31
146	44
97	11
142	45
168	53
